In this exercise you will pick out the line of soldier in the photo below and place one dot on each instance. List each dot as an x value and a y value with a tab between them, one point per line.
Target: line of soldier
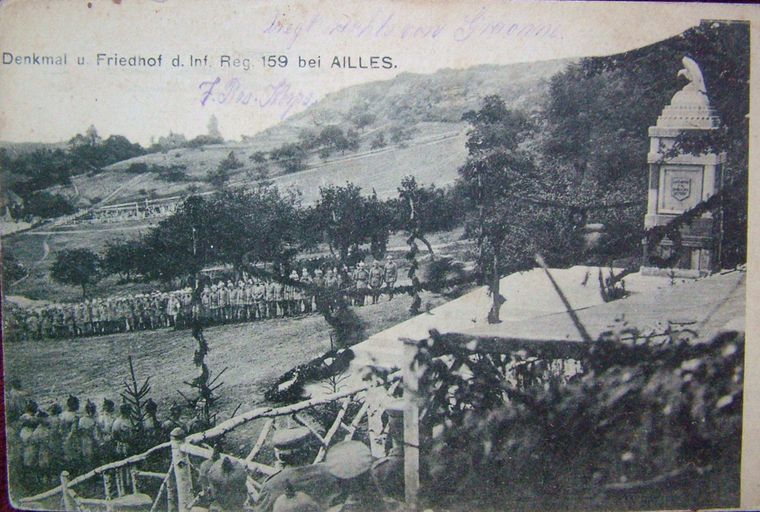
248	299
44	442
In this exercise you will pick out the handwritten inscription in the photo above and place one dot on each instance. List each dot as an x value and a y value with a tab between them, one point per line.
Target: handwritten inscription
383	25
280	96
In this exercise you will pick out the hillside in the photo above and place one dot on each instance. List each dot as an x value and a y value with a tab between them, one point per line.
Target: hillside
428	108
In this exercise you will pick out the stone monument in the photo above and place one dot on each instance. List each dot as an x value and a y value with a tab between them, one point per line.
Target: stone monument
678	183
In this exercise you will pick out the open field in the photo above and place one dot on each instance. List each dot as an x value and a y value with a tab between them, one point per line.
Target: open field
256	354
433	154
36	251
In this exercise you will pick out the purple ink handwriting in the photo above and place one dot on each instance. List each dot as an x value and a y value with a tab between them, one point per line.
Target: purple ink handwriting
478	25
280	96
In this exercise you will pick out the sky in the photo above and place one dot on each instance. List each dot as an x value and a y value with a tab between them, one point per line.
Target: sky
50	103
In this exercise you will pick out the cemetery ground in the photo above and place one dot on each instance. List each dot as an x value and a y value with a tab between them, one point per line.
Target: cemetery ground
255	353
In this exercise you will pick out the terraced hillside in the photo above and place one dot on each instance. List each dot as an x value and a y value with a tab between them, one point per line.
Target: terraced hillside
428	108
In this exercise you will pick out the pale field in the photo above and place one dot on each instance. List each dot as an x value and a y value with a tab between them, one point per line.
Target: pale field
256	354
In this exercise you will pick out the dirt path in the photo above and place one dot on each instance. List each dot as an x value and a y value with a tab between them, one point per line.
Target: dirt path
45	254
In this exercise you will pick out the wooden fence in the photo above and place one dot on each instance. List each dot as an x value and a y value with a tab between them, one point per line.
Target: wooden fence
121	480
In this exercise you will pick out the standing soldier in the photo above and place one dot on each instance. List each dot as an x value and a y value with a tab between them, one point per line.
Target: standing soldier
307	297
184	300
56	437
117	314
205	305
259	299
279	291
96	315
152	311
108	316
174	420
376	275
248	300
175	308
163	303
361	280
214	300
80	314
139	312
271	297
121	429
172	310
41	439
33	325
69	426
332	280
69	321
60	321
103	434
229	315
151	425
391	275
89	314
71	415
15	400
86	433
239	300
125	312
46	323
319	283
29	422
293	295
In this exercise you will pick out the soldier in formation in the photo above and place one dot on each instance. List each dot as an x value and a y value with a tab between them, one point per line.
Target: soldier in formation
43	441
244	300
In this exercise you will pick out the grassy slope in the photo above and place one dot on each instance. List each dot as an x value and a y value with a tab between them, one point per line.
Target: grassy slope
29	249
433	104
256	354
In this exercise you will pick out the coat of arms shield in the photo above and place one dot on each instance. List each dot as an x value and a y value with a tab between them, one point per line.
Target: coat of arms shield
680	188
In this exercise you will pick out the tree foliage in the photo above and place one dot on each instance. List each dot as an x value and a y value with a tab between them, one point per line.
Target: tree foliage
644	423
221	175
348	219
12	269
46	205
497	178
596	119
290	156
76	267
124	257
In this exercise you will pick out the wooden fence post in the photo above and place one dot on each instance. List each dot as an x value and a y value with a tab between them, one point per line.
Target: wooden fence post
171	498
68	501
374	400
107	490
411	427
133	476
181	465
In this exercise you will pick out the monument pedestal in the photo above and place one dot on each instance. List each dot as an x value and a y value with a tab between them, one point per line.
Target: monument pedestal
679	181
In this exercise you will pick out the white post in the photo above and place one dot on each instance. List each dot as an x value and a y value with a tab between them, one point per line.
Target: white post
171	499
181	466
411	427
133	476
68	501
375	406
107	490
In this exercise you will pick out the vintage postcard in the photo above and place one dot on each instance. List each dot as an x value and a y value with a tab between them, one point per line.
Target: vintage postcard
389	255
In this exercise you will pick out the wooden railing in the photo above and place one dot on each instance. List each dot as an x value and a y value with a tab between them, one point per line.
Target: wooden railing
177	482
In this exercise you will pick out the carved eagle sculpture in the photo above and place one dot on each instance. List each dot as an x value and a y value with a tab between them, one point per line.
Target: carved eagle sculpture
693	74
